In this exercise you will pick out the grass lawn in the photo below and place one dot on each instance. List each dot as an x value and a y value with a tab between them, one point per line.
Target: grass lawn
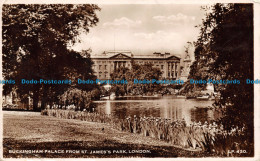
77	139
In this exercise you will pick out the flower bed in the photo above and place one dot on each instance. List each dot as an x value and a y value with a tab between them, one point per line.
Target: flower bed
210	137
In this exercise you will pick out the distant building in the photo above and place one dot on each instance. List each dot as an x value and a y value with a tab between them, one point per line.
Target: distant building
108	61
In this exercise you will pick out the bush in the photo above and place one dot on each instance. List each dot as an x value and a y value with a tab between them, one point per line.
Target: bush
95	94
79	98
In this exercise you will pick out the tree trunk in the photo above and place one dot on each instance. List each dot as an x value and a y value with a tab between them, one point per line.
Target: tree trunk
35	101
44	99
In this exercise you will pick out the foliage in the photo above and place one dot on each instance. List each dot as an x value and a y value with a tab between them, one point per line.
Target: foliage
139	72
95	94
224	50
79	98
35	46
121	73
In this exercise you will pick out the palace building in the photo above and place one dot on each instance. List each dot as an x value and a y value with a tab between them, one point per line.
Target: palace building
108	61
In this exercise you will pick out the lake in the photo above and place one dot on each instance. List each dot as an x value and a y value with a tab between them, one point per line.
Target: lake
165	107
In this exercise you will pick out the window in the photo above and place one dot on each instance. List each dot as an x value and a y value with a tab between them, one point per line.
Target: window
99	67
100	74
161	66
105	67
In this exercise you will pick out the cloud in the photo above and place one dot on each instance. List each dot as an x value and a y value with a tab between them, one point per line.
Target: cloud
122	22
87	41
174	18
144	35
156	35
161	41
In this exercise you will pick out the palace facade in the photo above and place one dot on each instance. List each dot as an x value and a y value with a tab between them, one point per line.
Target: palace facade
108	61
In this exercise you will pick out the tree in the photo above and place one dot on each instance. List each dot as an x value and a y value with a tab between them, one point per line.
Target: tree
225	47
140	72
122	73
35	46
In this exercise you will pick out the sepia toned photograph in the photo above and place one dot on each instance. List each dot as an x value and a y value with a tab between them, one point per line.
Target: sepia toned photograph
128	80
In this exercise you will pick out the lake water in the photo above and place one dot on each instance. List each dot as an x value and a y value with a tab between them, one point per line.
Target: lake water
164	107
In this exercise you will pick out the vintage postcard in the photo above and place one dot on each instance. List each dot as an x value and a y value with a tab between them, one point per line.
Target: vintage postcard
130	79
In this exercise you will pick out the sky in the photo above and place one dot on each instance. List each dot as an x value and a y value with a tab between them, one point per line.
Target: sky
143	28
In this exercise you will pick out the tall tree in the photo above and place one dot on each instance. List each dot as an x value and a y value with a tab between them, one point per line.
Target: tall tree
225	47
35	46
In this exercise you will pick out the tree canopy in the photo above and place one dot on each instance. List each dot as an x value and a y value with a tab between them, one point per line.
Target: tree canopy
36	41
224	50
140	72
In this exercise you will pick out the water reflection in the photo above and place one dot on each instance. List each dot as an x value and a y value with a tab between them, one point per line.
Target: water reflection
165	107
108	107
